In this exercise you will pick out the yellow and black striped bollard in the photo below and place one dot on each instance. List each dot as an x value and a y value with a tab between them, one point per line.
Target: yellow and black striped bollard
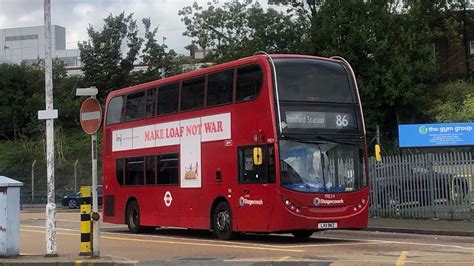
86	201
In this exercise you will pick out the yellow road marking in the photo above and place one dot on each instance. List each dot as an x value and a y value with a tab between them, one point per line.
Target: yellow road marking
377	241
177	242
283	258
402	258
78	262
164	237
350	261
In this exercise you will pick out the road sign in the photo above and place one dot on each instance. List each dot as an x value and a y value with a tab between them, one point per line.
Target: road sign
90	115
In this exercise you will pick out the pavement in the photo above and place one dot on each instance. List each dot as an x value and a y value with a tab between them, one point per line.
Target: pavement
68	260
411	226
421	226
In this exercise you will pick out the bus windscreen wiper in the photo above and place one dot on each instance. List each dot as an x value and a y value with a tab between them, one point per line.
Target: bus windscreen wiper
328	139
333	140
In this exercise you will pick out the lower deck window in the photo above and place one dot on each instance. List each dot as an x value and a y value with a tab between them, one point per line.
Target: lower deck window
168	169
160	169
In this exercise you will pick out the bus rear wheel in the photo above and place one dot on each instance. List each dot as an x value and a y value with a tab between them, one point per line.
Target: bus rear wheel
302	235
133	219
222	221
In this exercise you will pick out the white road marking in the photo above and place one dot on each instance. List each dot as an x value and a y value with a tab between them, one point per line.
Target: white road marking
191	243
358	241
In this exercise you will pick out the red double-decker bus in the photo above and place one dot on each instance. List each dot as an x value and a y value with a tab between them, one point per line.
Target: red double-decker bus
268	143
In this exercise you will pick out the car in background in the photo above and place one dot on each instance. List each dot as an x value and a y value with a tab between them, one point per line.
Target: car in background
73	201
417	185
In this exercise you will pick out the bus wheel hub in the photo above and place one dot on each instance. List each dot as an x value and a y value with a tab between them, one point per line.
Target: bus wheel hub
222	220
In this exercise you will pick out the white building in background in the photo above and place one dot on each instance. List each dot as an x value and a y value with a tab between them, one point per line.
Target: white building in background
18	45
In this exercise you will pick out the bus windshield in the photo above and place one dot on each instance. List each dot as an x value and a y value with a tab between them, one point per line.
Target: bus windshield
321	166
313	80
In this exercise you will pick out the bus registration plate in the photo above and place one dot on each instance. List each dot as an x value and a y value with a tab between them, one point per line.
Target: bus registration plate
327	225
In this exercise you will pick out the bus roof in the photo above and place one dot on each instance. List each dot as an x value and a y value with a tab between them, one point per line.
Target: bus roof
214	68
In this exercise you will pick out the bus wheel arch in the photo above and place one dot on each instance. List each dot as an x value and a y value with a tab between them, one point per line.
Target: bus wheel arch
222	211
129	200
132	217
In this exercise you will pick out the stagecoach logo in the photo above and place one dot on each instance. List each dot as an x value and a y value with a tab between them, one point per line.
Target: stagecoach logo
168	199
243	201
317	201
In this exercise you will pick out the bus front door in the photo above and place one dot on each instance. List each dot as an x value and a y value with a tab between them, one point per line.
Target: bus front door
256	187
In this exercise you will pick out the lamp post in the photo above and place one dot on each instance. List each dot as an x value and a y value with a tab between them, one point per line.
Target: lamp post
49	114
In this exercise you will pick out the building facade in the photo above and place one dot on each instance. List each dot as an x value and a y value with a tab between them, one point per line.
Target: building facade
27	45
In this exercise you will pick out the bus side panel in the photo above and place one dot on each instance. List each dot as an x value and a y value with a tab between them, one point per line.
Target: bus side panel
112	210
253	203
218	158
148	207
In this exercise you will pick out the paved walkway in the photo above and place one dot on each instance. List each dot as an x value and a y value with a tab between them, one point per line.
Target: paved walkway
431	227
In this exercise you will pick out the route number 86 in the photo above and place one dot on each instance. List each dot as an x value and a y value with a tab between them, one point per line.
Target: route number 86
341	121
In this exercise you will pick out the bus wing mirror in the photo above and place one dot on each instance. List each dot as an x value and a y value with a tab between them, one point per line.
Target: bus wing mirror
257	156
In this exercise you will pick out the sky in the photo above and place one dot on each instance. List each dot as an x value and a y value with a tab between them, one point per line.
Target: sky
76	15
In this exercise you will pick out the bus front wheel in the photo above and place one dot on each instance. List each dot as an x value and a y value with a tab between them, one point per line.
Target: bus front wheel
222	221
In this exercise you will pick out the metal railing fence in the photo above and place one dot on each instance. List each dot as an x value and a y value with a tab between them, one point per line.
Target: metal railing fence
69	176
423	186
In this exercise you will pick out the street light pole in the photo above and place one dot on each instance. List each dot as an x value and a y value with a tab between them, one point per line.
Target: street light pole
49	115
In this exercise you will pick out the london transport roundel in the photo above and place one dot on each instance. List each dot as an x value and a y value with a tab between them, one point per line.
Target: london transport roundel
90	115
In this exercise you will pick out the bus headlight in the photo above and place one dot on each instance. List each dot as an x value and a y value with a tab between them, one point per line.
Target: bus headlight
360	204
292	206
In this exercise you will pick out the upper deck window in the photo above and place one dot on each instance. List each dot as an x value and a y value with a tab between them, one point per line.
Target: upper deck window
249	82
114	110
150	102
135	108
301	79
192	94
219	88
168	99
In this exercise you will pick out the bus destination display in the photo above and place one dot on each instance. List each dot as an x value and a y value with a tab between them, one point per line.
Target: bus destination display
324	120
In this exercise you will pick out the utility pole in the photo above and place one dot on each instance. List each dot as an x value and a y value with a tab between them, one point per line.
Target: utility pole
378	135
75	175
33	181
49	115
378	156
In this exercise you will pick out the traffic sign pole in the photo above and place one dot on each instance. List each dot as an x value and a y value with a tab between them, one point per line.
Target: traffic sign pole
90	117
95	204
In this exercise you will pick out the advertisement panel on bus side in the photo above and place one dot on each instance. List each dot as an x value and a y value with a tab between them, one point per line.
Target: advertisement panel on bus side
189	134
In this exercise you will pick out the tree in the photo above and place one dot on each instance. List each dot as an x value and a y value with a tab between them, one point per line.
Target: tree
109	55
239	29
452	102
389	46
21	96
388	43
159	62
104	64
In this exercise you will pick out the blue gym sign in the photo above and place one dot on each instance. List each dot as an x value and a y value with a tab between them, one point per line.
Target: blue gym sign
436	135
